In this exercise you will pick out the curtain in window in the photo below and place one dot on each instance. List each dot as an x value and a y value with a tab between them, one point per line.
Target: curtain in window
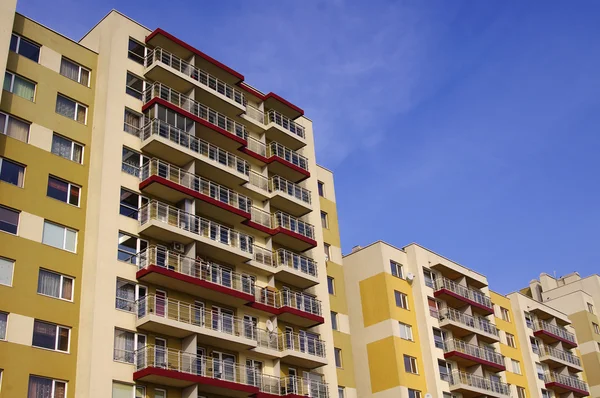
125	295
3	318
44	335
70	240
69	69
81	111
24	88
67	289
9	220
61	147
124	346
39	387
49	283
77	153
85	77
6	271
121	390
18	129
65	107
53	235
59	389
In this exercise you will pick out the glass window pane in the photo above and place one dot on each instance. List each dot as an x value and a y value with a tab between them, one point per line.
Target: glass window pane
39	387
18	129
69	69
65	107
49	283
9	220
74	195
7	81
13	42
121	390
71	240
63	339
67	288
54	235
85	77
77	153
29	50
81	112
44	335
11	172
57	189
3	321
60	388
24	88
6	271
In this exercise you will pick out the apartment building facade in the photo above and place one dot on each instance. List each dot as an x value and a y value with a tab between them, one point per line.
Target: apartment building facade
204	272
423	324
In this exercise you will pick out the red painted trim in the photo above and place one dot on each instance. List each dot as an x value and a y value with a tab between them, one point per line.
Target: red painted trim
567	387
258	227
255	155
185	113
183	44
252	91
474	359
307	315
195	194
173	374
194	281
290	165
280	230
264	97
461	298
264	307
565	341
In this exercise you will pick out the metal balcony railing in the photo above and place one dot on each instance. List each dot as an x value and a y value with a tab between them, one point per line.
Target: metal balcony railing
463	291
475	322
202	77
196	183
255	113
276	149
257	147
286	258
285	122
570	381
479	382
194	224
263	256
261	217
195	144
288	298
555	330
259	181
285	221
302	343
280	184
159	90
297	386
196	268
564	356
473	351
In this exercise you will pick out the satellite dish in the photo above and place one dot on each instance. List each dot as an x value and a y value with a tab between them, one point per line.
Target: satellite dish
270	326
428	395
410	277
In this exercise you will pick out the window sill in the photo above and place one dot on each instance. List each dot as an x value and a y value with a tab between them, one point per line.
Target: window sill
50	349
52	297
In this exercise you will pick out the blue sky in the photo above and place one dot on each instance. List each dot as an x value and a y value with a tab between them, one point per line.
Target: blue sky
470	127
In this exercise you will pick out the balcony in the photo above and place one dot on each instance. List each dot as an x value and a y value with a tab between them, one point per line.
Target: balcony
170	69
186	274
293	233
293	387
256	117
257	184
463	325
456	295
287	163
214	126
466	355
180	319
550	333
174	368
173	184
284	130
470	385
557	358
561	384
295	269
170	224
292	307
289	197
178	147
295	349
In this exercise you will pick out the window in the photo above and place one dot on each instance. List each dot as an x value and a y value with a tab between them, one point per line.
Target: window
132	122
414	393
334	320
67	149
55	285
338	357
134	86
160	393
74	71
439	337
445	370
42	387
127	294
596	328
9	220
401	300
3	323
396	269
13	127
516	366
126	343
12	172
510	340
590	308
546	394
7	268
434	307
120	390
324	220
540	371
63	191
410	364
129	246
504	314
51	336
535	345
406	331
24	47
341	392
137	51
132	161
330	285
321	188
71	109
19	86
529	320
521	392
60	237
131	203
429	277
326	247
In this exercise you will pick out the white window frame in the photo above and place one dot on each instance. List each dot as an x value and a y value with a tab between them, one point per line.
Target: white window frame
73	143
129	52
138	245
327	250
79	73
414	369
396	269
324	221
6	120
54	381
19	39
337	351
408	334
516	367
136	294
69	186
341	392
142	201
334	315
403	300
596	328
77	105
12	272
590	308
144	86
18	220
58	327
505	314
2	160
12	85
510	340
60	293
159	389
6	331
521	393
321	188
417	393
332	279
64	237
135	344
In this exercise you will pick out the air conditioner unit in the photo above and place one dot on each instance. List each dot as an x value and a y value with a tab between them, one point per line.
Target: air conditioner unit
178	247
